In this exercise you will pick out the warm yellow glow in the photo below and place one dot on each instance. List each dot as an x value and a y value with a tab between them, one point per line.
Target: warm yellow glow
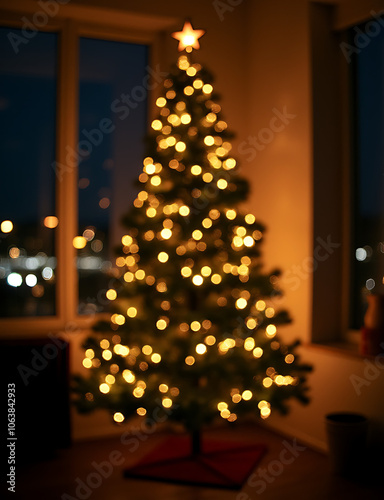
260	305
189	360
79	242
222	183
157	125
265	412
50	221
251	323
201	348
195	326
191	71
249	241
155	358
171	94
127	240
188	39
257	352
132	312
163	257
237	241
249	344
222	406
216	279
236	398
197	280
210	340
161	286
118	417
104	388
156	180
161	102
151	212
111	294
87	363
161	324
196	170
186	271
138	392
229	163
250	218
225	413
140	274
90	353
163	388
188	90
104	344
166	233
267	382
207	223
247	395
197	83
118	319
206	271
269	312
207	88
128	376
184	210
209	140
6	226
128	277
230	214
289	358
241	303
185	118
167	402
207	177
147	350
141	411
110	379
197	234
107	354
271	330
180	146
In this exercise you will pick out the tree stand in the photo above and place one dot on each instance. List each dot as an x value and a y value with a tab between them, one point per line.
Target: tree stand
190	460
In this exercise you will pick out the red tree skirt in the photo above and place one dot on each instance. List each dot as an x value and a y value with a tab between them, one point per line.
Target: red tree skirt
220	465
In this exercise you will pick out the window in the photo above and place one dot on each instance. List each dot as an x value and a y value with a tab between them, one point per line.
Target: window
64	187
27	188
367	259
110	157
348	126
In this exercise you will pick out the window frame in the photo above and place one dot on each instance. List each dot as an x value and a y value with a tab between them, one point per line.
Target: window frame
70	23
331	300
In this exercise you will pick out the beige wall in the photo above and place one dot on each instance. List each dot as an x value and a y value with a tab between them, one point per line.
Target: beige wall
281	177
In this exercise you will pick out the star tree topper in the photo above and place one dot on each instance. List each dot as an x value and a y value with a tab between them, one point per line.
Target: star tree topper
188	37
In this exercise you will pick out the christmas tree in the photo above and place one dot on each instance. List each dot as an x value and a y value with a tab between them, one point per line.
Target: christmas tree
193	327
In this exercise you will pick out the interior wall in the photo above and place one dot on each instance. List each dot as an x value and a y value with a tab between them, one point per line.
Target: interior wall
281	178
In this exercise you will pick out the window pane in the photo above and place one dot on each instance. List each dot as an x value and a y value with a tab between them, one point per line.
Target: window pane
368	258
112	124
27	150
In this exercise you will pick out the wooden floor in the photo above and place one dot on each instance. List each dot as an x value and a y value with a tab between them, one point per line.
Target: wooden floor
304	475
